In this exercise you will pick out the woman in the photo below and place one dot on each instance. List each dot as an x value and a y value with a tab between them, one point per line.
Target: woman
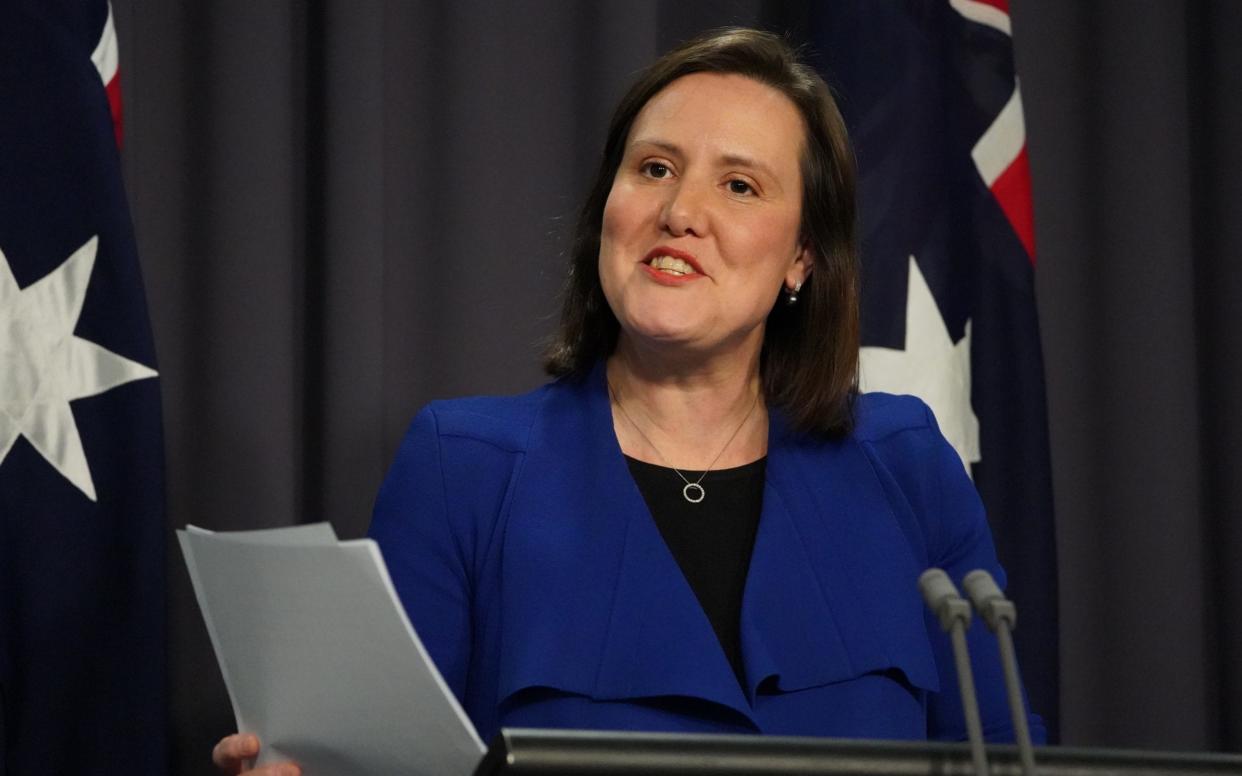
699	526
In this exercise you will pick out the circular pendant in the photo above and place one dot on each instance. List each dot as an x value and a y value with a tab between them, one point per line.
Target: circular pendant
693	492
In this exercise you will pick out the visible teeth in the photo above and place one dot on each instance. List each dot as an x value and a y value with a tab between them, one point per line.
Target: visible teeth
670	264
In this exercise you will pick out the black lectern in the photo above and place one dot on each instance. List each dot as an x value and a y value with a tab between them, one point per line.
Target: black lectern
589	753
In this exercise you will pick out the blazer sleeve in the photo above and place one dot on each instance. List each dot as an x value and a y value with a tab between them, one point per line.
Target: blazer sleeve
955	533
424	552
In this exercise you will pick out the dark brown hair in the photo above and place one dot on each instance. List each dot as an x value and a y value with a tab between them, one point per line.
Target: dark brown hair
809	360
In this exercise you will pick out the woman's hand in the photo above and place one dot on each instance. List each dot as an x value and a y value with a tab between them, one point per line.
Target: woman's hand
233	753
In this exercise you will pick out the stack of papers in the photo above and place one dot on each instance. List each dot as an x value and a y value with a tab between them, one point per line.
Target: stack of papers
319	657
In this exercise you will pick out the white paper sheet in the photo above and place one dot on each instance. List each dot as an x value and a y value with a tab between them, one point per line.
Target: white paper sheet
319	657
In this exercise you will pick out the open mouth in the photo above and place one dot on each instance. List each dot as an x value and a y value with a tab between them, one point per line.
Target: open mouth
672	265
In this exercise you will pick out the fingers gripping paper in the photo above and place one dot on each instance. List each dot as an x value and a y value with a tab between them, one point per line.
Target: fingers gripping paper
319	657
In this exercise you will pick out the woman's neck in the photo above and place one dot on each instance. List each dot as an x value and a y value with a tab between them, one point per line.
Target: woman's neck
687	415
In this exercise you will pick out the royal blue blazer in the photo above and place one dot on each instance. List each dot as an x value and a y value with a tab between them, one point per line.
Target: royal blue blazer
531	568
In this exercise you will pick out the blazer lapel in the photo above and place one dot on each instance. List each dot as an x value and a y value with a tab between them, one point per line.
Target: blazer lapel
832	590
594	601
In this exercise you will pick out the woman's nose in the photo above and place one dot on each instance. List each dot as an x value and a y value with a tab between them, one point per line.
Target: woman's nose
685	211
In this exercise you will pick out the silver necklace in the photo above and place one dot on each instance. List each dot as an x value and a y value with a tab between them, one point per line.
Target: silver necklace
693	491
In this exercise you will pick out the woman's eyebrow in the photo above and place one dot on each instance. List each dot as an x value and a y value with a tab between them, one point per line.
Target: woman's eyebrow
740	160
663	145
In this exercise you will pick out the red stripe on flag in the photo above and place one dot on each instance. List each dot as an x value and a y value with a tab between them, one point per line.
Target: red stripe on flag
1013	191
1000	5
113	89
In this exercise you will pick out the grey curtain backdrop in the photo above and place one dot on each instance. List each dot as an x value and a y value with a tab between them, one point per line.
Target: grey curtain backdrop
347	209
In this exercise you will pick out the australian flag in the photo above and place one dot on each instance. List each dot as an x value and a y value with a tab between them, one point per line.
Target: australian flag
929	91
81	449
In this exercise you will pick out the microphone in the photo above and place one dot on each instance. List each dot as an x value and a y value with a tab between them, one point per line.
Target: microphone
1001	617
943	599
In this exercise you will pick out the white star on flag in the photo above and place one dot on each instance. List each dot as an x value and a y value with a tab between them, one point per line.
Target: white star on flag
931	367
43	366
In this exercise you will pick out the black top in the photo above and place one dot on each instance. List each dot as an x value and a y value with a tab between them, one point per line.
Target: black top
711	540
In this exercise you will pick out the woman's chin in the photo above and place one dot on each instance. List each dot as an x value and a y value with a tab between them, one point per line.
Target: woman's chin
665	333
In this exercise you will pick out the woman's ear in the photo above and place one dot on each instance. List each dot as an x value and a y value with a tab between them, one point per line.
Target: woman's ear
801	267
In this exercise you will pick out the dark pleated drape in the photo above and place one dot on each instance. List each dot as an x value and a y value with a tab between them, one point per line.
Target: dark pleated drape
345	210
1133	110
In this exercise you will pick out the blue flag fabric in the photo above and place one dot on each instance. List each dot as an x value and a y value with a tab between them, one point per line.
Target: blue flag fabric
929	92
81	450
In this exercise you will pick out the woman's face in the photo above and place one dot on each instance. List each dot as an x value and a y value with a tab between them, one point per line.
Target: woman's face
701	228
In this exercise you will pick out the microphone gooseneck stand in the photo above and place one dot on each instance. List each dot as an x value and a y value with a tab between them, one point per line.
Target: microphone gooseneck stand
1001	617
943	599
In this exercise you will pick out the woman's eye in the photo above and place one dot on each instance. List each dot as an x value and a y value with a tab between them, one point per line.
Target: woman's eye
737	186
656	170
